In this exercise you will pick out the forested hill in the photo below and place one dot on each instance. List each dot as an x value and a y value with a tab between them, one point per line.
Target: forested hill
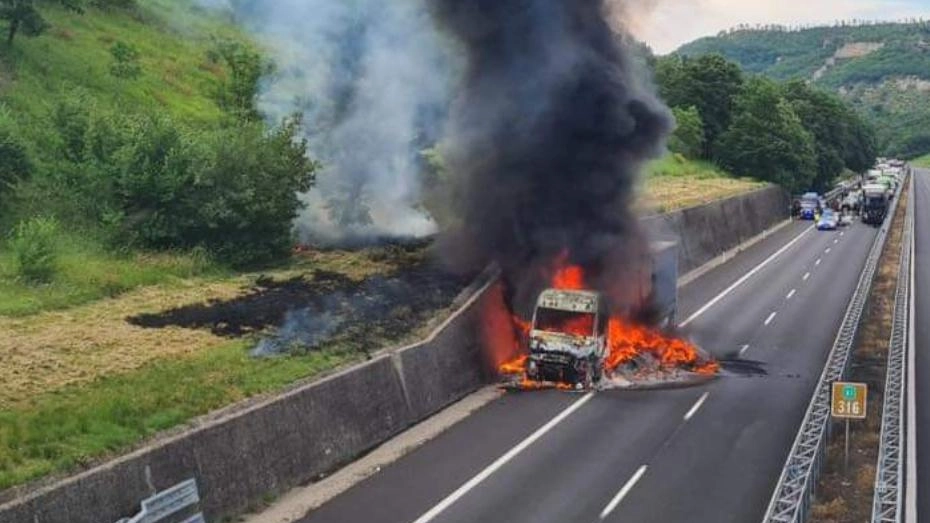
883	69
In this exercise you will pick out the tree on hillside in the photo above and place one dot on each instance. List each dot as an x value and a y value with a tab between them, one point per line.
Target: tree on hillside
767	139
862	148
709	83
244	69
824	117
688	138
843	138
23	16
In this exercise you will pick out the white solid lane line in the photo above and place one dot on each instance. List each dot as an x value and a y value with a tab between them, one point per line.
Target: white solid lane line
697	406
806	276
743	350
770	318
501	461
910	501
791	294
742	280
623	492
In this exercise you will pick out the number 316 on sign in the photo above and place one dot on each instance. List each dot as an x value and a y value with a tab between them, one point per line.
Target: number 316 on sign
849	400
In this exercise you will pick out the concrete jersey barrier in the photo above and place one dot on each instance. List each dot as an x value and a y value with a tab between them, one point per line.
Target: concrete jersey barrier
243	454
707	231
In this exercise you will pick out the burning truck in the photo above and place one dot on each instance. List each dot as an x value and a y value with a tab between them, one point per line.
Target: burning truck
575	340
568	339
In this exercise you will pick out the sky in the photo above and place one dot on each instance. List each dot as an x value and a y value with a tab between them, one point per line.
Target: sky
666	24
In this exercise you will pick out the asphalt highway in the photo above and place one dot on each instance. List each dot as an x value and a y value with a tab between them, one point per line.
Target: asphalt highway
710	453
921	291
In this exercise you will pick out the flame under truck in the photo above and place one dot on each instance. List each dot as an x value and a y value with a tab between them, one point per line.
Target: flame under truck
568	338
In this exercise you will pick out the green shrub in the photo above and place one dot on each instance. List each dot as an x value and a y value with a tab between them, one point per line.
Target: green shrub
15	163
125	61
34	247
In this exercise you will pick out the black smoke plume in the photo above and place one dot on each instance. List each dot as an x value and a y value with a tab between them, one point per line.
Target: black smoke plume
547	136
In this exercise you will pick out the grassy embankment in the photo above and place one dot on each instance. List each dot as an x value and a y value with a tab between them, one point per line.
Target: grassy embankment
923	162
81	382
73	58
675	183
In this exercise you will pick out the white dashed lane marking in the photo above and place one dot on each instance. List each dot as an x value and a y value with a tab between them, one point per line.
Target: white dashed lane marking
697	406
623	492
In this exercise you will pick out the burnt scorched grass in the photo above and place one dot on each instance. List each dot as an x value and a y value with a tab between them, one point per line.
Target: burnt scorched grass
302	313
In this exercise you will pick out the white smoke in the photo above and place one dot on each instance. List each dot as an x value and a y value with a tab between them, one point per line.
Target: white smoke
371	78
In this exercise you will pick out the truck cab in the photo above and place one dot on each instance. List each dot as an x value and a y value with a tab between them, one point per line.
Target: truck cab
874	204
569	334
568	338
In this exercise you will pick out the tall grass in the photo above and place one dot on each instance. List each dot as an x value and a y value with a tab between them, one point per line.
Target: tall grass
85	270
677	166
73	426
34	249
172	42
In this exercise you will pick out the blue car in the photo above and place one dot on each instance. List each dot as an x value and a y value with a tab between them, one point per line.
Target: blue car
810	206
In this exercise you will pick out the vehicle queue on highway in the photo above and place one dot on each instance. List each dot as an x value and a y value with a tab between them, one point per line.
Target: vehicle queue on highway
867	196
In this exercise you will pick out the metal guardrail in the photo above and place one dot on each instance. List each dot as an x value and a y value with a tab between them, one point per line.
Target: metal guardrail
834	193
888	500
168	503
791	500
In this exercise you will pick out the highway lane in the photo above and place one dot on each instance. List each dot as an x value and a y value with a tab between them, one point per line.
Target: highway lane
720	463
922	338
733	452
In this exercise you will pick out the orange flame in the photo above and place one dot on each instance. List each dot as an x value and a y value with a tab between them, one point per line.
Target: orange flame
567	277
625	340
522	326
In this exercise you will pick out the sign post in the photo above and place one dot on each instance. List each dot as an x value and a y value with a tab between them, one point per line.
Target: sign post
849	401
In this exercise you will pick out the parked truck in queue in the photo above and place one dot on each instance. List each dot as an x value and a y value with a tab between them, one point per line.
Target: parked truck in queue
874	203
568	337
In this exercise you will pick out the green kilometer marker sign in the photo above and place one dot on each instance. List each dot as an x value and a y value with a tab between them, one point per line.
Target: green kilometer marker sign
849	400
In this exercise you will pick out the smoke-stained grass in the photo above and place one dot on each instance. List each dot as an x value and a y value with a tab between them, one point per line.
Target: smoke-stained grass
78	425
675	182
